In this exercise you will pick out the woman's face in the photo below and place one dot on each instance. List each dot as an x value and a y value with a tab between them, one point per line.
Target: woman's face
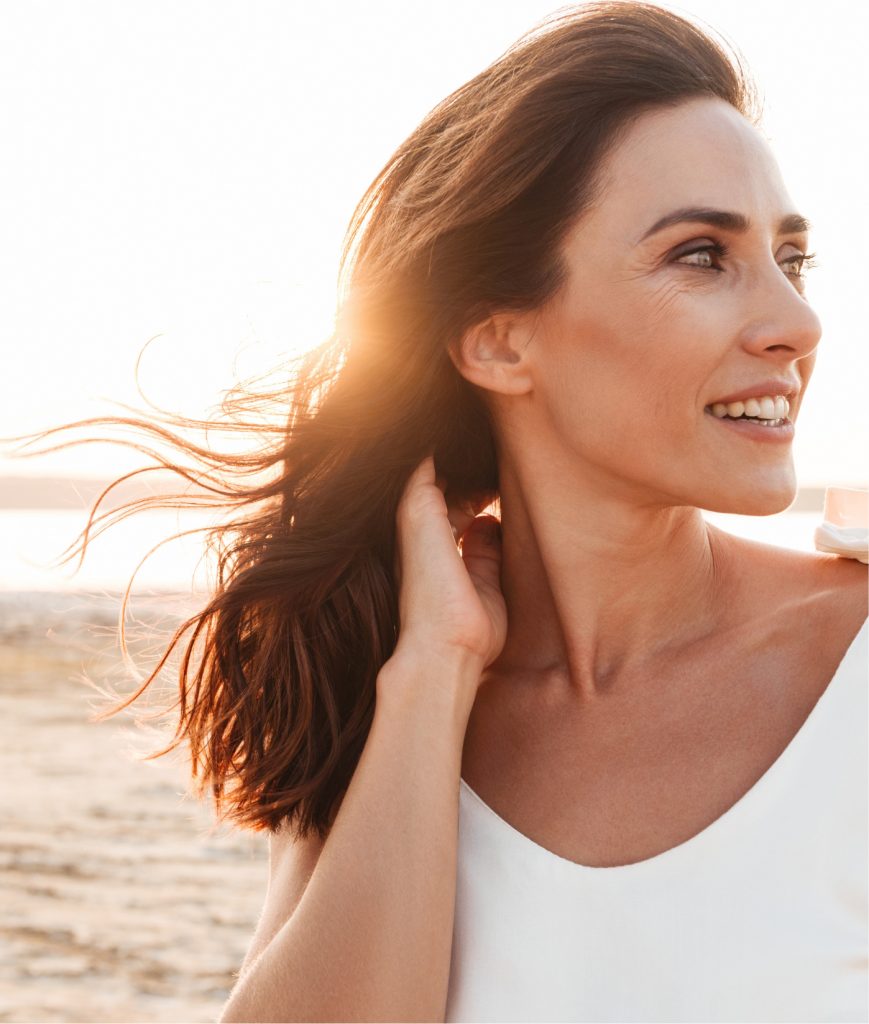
664	315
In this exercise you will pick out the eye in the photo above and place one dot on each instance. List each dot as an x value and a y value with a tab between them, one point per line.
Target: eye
704	256
799	264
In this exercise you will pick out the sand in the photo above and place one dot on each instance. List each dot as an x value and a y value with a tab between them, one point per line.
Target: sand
116	903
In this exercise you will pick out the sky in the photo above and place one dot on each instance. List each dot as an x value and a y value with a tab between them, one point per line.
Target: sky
179	175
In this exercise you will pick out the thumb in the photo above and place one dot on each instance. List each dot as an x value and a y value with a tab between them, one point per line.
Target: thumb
481	550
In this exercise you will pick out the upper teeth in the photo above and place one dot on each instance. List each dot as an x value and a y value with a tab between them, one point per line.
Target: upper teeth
767	407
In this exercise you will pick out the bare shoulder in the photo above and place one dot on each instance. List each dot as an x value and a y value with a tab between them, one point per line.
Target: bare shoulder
292	860
808	587
840	585
291	854
288	851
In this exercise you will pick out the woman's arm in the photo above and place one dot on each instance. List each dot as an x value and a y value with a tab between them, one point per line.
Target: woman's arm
371	936
291	863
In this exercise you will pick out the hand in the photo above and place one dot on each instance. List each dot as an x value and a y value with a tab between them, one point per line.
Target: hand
450	601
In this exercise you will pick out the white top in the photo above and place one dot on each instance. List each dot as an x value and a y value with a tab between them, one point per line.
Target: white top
762	916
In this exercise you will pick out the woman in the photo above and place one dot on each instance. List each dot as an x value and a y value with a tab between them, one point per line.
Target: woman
556	775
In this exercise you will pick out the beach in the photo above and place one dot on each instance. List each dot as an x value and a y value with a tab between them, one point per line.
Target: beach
119	901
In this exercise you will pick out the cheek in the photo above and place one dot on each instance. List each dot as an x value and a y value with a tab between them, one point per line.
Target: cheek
604	385
679	348
592	369
629	368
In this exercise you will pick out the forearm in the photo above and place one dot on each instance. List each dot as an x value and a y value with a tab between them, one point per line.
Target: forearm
371	937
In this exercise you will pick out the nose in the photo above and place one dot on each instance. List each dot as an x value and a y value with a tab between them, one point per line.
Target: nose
781	321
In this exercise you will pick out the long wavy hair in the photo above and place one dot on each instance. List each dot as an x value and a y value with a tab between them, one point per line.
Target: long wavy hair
277	671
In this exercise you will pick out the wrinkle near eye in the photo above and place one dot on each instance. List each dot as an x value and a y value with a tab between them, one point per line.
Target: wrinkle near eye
664	296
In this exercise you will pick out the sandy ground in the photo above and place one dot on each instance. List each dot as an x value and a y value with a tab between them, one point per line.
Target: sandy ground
116	902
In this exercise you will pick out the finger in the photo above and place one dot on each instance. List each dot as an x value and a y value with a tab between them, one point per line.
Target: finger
481	549
462	512
460	518
424	471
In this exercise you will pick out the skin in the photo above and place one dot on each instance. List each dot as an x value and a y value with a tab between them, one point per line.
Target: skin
654	667
599	400
630	618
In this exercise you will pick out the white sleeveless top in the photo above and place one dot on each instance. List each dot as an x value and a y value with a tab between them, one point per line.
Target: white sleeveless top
762	916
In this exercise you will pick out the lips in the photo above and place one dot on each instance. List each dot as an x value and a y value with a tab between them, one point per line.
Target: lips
784	386
754	431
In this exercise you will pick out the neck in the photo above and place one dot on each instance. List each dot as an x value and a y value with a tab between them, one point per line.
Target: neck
599	586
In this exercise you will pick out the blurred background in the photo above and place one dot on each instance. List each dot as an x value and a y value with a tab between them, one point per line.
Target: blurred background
178	179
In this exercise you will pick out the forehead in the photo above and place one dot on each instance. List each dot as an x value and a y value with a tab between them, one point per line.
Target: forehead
702	153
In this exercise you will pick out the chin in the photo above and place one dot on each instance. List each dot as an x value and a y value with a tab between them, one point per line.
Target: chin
765	501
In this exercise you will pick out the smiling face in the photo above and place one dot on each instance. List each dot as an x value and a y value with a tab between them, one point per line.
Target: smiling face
662	319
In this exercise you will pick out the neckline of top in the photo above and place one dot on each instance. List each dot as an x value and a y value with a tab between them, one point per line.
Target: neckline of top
692	843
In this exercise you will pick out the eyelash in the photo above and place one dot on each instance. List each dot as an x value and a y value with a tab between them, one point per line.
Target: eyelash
806	260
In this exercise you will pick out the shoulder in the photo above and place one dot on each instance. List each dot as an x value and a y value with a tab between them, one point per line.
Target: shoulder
811	588
292	860
842	584
792	618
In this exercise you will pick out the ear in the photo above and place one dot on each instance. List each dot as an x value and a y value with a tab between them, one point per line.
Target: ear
491	354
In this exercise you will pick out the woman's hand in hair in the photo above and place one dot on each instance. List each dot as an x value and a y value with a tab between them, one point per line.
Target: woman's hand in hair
450	601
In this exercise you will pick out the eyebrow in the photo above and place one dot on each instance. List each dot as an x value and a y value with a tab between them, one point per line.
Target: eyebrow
791	223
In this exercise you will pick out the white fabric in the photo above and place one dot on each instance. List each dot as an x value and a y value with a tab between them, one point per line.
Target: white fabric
762	916
845	529
846	541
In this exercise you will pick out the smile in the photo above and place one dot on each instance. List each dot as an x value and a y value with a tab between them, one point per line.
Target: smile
776	430
763	409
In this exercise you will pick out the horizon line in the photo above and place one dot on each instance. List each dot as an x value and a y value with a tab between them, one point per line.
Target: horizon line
22	493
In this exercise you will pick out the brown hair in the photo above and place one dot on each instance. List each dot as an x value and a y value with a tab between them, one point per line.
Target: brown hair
277	677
